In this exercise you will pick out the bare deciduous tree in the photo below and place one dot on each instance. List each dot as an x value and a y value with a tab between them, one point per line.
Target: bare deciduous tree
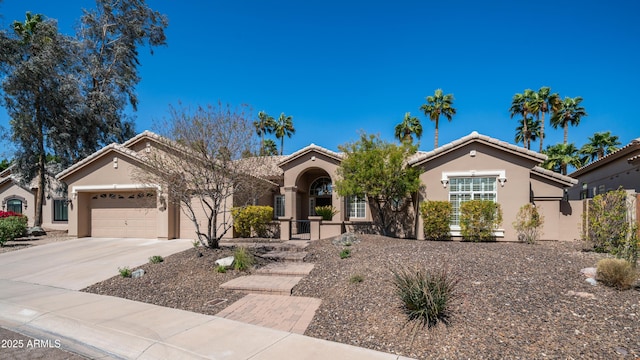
198	166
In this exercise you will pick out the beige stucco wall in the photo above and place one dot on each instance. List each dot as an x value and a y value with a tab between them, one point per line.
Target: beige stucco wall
108	173
511	196
187	229
562	220
611	176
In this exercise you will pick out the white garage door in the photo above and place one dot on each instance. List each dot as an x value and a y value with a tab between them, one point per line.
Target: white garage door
127	215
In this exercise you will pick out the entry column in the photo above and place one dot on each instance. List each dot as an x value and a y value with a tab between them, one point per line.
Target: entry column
290	206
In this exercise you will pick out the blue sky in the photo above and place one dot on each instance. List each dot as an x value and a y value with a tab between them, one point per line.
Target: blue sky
339	67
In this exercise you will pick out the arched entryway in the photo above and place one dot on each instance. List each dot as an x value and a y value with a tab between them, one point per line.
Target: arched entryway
320	194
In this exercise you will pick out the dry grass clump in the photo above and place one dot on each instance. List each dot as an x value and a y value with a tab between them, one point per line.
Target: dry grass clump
616	273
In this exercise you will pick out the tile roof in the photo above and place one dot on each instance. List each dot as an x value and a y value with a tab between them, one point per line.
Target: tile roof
631	146
554	175
476	136
309	148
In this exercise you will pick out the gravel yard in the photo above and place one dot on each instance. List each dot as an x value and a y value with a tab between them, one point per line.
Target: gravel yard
515	300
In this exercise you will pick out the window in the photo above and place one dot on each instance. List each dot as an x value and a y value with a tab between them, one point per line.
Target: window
356	206
14	205
465	189
278	206
60	210
321	187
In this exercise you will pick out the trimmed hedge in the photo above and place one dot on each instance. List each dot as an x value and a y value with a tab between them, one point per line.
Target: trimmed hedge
11	227
252	220
478	220
436	216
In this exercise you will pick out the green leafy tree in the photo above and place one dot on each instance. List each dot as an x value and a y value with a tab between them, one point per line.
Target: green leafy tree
264	125
41	94
4	164
543	102
529	131
599	145
409	126
521	105
561	156
568	112
436	105
284	127
377	170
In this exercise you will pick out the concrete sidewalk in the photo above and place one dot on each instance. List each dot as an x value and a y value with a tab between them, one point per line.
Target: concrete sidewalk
105	327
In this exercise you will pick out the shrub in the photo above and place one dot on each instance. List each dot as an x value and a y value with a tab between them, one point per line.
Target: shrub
326	212
528	224
125	272
221	269
436	216
249	220
478	220
357	278
616	273
345	253
242	259
156	259
607	221
426	295
12	227
6	214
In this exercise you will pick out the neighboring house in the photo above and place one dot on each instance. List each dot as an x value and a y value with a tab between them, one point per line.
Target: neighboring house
621	168
106	201
21	198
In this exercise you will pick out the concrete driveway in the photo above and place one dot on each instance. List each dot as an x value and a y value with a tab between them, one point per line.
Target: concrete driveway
76	264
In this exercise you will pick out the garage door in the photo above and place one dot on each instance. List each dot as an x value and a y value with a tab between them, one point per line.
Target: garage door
127	215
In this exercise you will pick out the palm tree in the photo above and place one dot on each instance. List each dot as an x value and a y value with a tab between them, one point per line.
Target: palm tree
269	148
530	130
521	105
264	125
599	145
569	112
438	104
543	102
284	127
25	30
560	156
408	127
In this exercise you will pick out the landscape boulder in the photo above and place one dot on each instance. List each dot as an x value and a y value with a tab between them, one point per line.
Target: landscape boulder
228	261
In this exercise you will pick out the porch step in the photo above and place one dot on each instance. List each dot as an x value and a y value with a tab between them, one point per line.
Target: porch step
263	284
286	256
286	269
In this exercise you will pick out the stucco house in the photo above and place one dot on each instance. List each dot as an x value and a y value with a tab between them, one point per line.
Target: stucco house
620	168
106	201
21	198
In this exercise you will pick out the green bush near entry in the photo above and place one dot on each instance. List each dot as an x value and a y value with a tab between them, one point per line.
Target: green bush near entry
252	220
12	227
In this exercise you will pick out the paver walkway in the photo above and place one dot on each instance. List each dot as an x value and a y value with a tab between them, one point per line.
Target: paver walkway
287	313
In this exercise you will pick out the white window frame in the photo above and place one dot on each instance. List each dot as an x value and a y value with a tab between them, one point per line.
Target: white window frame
357	207
500	177
278	206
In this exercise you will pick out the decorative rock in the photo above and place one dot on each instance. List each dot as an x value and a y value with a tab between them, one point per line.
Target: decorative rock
584	295
36	231
589	272
346	239
138	273
591	281
228	261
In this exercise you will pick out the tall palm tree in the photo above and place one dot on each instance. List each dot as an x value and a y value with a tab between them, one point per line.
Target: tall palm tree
543	102
521	105
560	156
284	127
269	148
409	126
438	104
569	112
599	145
264	125
530	130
